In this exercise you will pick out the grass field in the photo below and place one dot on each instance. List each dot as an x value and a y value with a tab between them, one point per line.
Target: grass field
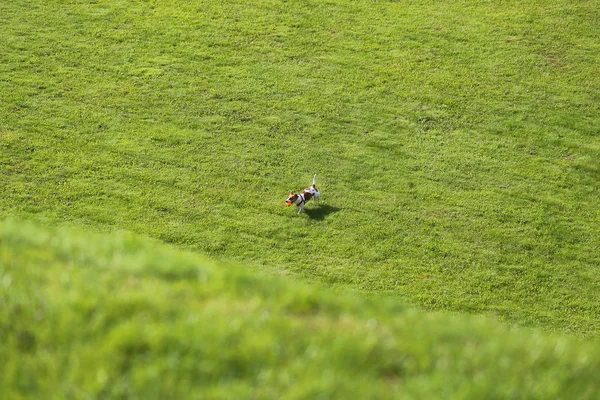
86	316
456	143
451	141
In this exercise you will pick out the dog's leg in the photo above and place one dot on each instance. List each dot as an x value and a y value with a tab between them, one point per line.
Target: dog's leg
300	209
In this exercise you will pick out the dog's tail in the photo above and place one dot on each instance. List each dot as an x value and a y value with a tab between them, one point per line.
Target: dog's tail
314	181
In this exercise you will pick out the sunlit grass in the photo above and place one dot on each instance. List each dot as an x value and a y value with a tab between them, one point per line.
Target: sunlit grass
452	140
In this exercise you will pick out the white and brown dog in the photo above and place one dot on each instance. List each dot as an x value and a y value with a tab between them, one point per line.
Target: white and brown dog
300	199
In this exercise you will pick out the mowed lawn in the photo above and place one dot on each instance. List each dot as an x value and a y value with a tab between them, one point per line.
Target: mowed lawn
456	143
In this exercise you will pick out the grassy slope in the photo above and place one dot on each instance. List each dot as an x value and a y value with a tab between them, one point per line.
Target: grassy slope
115	316
453	141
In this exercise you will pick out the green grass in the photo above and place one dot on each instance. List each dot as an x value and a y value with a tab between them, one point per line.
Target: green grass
453	141
86	316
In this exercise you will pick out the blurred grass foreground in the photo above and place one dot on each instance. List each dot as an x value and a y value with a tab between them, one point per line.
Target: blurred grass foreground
119	316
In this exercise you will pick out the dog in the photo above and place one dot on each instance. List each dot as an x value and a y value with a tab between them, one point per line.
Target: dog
300	199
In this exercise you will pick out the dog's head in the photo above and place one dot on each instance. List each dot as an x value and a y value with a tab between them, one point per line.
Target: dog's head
291	199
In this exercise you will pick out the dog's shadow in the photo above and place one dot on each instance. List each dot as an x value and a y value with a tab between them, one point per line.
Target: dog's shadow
320	212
